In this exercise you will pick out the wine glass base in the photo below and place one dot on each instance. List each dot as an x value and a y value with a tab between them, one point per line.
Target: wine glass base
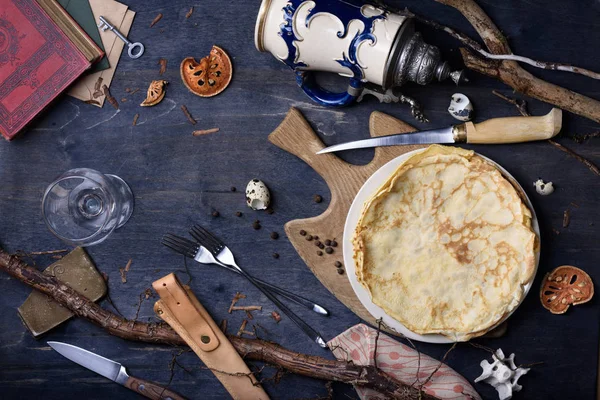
127	199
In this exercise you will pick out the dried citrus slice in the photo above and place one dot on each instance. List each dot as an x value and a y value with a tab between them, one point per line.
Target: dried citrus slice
564	286
208	77
156	92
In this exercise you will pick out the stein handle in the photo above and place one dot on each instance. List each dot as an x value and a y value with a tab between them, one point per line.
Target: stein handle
308	83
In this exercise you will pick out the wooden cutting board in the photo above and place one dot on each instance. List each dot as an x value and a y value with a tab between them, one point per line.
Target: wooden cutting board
295	136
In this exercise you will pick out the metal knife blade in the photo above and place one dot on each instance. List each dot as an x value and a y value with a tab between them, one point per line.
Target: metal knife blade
102	366
443	135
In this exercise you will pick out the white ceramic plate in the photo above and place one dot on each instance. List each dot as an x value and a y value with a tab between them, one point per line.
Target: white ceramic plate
369	188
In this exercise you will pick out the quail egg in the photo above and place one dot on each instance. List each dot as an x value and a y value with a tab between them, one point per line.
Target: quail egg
257	195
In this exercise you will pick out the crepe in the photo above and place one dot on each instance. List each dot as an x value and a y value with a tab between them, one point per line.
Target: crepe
445	245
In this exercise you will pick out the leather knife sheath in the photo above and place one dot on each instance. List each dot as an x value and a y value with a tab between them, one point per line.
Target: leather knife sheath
183	312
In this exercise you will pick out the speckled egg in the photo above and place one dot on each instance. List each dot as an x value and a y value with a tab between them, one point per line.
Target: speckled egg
257	195
461	107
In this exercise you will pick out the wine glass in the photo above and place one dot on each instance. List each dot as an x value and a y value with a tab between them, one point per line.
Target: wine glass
84	206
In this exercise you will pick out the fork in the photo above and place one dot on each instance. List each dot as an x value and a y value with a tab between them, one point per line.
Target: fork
225	256
201	255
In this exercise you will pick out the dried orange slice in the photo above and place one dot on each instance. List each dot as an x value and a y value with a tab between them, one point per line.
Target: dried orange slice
210	76
156	92
564	286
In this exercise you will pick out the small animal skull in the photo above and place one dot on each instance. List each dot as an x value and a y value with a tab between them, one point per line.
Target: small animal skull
461	107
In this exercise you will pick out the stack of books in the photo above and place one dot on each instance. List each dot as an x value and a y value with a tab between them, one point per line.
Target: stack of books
43	50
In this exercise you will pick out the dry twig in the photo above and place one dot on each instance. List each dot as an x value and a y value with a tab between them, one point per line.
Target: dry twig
566	218
205	131
223	326
40	253
189	13
188	114
238	296
246	308
156	19
135	119
242	327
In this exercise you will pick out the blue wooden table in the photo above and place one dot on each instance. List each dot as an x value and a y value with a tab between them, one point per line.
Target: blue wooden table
179	179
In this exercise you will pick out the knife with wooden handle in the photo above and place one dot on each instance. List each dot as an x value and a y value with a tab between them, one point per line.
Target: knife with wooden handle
492	131
114	371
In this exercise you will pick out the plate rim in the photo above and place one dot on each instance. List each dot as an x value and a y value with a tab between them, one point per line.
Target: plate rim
377	179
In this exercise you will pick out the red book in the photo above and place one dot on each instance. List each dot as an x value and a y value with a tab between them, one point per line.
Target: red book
38	61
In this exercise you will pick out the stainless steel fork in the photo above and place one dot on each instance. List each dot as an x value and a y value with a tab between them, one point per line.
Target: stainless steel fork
224	255
201	255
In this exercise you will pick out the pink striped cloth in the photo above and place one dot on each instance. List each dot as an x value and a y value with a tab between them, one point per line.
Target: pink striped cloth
357	344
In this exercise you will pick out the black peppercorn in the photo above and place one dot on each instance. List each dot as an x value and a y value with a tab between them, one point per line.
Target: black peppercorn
328	242
215	213
309	237
319	253
338	264
256	225
333	243
275	255
238	214
317	198
321	246
303	232
329	250
340	271
316	237
317	243
274	235
233	189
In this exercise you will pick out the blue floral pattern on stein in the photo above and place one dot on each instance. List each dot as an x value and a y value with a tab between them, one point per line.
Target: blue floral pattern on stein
351	11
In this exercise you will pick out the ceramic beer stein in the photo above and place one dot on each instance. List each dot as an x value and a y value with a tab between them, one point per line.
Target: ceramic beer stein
354	39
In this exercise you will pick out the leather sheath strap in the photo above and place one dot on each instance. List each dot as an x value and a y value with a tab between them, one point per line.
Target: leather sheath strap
183	312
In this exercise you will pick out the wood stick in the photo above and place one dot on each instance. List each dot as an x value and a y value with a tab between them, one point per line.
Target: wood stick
246	308
510	72
250	349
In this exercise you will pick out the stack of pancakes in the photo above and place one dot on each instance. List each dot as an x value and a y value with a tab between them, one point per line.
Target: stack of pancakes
446	245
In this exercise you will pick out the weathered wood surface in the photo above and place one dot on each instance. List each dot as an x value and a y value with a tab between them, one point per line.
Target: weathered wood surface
178	179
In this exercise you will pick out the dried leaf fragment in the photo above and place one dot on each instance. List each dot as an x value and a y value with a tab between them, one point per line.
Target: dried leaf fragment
156	92
113	102
189	13
208	77
97	88
205	131
135	119
564	286
188	114
156	19
163	65
276	316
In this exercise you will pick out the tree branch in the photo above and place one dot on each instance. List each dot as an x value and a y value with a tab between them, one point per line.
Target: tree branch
503	55
510	72
251	349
